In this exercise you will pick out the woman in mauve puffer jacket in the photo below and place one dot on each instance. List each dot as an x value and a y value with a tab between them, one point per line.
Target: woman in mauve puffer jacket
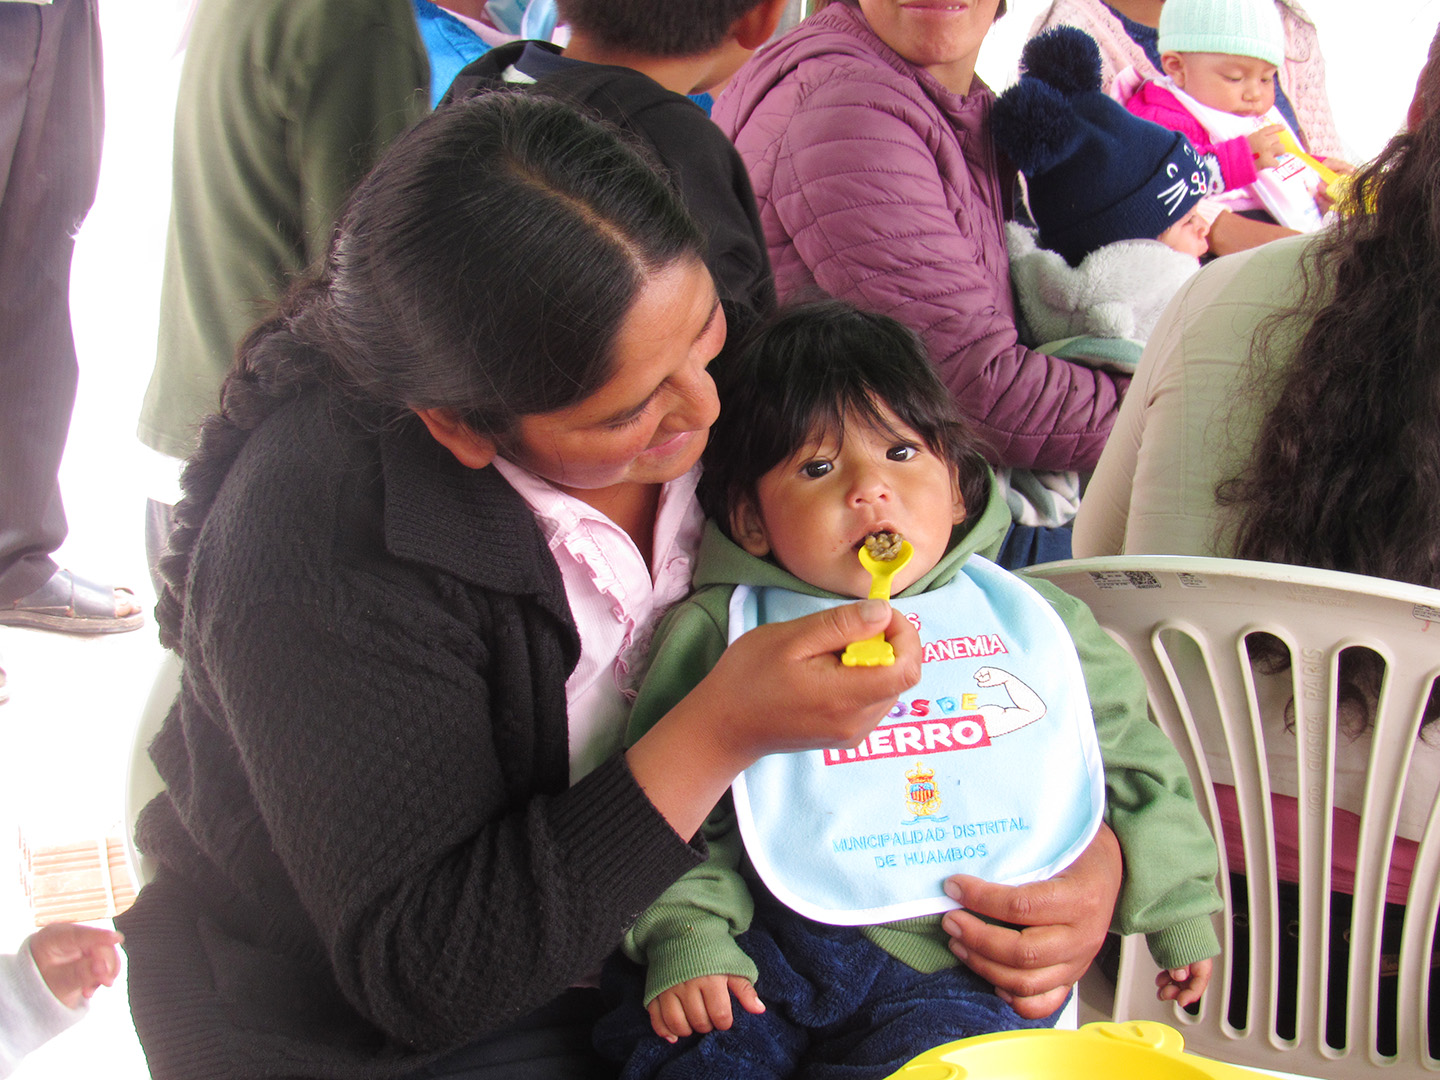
866	135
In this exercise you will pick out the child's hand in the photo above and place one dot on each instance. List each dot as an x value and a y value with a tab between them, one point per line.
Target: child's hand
1326	195
1184	985
701	1005
76	960
1266	147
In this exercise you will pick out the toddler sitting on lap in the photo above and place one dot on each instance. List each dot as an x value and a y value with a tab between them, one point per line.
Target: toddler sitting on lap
1029	722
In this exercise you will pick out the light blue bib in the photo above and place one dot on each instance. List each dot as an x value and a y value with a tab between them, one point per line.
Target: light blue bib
988	767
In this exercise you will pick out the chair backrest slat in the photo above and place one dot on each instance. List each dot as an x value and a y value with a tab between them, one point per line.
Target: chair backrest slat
1193	626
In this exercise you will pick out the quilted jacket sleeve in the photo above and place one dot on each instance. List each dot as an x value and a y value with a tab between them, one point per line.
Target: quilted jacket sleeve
891	211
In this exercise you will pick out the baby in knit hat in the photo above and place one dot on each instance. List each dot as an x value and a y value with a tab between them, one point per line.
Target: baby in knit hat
1113	199
1115	203
1221	59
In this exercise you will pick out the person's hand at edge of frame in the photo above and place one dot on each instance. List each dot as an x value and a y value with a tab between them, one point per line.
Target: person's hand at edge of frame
76	960
1061	923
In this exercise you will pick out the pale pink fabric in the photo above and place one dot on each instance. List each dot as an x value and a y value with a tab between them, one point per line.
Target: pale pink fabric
614	597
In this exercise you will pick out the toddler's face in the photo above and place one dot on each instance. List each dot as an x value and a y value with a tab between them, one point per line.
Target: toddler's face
816	507
1243	85
1189	236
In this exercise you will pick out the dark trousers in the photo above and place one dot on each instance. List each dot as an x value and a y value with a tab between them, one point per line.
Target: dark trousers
552	1043
1288	965
837	1007
51	121
1028	545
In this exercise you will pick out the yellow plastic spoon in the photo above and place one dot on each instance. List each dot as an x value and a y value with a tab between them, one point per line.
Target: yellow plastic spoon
876	651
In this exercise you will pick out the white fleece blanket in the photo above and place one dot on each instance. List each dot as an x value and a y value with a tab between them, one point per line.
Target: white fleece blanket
1118	291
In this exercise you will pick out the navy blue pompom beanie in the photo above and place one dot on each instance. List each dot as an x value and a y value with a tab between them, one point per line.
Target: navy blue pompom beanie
1094	172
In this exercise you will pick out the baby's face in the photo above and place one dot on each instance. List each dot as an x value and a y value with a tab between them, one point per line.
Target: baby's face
816	507
1243	85
1189	236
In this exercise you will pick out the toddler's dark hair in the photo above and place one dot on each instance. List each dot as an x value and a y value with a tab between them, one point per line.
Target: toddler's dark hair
806	370
668	28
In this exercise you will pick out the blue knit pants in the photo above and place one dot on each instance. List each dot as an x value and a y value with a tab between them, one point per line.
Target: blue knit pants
838	1007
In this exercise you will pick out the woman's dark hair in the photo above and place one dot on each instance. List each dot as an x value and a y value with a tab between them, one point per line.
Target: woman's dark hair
1345	471
484	266
808	370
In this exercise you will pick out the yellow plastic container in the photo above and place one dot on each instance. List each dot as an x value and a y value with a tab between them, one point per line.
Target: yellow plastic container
1140	1050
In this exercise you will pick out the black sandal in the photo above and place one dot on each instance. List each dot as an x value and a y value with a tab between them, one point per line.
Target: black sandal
71	605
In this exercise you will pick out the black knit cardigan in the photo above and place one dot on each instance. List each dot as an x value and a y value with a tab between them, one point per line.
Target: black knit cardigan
369	850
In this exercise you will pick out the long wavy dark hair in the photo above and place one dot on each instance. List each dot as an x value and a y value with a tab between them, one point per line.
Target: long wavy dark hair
485	266
1345	471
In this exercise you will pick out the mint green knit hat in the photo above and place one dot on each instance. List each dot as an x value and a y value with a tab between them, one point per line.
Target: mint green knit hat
1232	27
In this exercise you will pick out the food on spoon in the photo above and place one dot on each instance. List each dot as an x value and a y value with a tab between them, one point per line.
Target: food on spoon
884	546
884	554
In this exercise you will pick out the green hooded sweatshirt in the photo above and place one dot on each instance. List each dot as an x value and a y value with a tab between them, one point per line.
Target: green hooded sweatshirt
1169	889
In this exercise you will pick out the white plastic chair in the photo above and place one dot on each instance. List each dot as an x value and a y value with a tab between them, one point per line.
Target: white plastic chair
1186	620
142	782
